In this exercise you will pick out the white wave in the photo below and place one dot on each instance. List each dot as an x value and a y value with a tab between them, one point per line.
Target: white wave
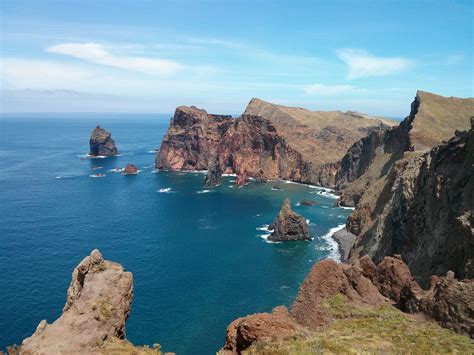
203	191
308	221
328	194
265	238
325	206
59	177
116	170
165	189
151	151
276	189
333	246
347	208
263	228
229	174
97	175
154	171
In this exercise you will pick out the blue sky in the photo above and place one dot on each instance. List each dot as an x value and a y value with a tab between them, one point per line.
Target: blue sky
151	56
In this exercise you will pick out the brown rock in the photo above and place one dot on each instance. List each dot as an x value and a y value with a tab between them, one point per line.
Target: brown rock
97	306
243	332
289	225
326	279
241	179
101	143
130	169
307	203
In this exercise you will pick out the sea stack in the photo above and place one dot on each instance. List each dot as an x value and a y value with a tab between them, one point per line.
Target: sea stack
289	225
130	169
101	143
241	179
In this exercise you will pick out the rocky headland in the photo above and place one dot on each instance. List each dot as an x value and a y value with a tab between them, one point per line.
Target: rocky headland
289	225
93	319
101	143
267	142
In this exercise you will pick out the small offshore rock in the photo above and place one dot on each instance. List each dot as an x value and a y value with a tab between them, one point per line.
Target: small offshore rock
130	169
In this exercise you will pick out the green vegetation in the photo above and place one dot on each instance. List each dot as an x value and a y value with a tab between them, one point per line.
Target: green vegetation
370	330
101	267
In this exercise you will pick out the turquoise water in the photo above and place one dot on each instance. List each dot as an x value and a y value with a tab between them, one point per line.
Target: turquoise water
197	257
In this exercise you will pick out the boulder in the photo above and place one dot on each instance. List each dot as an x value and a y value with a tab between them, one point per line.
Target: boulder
307	203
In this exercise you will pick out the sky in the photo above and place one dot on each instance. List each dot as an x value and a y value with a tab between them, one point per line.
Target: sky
152	56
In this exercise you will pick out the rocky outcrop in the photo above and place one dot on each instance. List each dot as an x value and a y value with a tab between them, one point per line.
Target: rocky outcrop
130	169
97	306
214	172
345	241
307	203
241	179
289	225
363	286
101	143
243	332
264	143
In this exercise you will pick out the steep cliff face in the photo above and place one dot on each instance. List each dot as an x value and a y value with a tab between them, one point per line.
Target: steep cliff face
428	217
93	319
268	141
192	136
322	138
197	140
101	143
395	213
350	307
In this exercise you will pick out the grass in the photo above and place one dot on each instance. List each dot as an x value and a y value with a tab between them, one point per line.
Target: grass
114	346
362	330
104	309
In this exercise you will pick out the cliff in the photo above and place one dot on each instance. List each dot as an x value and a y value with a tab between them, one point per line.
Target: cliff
93	319
362	308
268	141
390	177
101	143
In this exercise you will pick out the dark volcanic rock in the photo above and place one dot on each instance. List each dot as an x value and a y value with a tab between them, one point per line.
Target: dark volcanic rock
214	172
130	169
101	143
289	225
307	203
345	240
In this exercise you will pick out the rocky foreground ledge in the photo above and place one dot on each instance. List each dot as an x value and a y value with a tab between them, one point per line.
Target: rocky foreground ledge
362	308
93	319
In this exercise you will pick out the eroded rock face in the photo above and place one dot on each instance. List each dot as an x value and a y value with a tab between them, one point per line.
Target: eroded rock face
101	143
97	306
214	172
130	169
426	213
268	146
289	225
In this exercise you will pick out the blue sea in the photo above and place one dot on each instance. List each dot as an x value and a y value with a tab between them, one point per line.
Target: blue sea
197	255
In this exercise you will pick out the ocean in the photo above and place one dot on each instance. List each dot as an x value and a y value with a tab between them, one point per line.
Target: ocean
198	256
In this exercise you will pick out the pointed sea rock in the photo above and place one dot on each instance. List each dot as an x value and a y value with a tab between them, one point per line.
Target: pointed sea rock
289	225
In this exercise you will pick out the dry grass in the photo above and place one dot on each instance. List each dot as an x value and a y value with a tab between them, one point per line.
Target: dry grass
361	330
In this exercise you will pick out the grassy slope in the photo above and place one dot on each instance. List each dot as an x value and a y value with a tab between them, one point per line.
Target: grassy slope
370	330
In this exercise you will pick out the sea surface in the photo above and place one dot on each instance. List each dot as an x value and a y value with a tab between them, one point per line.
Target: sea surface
197	255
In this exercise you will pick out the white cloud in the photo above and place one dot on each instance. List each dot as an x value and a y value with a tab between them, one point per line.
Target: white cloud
362	64
454	58
329	90
99	54
25	73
